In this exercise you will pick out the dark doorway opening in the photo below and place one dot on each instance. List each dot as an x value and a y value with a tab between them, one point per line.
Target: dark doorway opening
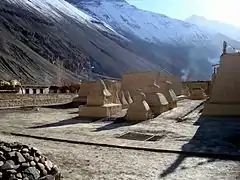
27	91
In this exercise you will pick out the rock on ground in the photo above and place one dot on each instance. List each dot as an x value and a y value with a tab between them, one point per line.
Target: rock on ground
18	161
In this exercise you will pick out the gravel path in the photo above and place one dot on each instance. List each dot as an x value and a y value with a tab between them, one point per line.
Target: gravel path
83	162
80	162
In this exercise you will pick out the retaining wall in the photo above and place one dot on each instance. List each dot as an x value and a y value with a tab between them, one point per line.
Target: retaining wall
23	100
198	84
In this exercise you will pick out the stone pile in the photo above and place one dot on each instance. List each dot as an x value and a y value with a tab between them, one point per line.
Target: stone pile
20	162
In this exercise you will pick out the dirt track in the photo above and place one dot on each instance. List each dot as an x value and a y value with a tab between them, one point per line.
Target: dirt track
83	162
80	162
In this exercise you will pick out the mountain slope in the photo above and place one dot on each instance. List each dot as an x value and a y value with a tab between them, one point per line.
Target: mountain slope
49	30
114	41
180	47
176	45
226	29
148	25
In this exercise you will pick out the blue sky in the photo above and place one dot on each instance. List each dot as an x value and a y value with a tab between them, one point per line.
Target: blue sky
180	9
221	10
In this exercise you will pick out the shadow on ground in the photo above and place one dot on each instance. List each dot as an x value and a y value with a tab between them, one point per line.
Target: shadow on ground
74	120
64	106
114	122
217	137
76	112
118	122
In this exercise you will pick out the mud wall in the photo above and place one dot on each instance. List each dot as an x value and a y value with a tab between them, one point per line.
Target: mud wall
227	82
23	100
206	85
134	81
225	99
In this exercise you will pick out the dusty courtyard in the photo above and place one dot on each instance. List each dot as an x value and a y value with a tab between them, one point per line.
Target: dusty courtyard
80	161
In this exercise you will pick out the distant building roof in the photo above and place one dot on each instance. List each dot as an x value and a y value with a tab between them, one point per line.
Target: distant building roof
196	81
35	86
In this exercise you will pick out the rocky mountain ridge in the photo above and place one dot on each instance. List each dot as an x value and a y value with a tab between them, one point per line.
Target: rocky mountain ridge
98	36
47	31
180	47
219	27
147	25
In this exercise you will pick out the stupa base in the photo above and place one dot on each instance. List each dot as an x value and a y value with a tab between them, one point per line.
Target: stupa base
106	110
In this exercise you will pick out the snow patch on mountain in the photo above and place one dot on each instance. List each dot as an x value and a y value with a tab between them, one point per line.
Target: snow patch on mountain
216	26
144	24
46	7
55	8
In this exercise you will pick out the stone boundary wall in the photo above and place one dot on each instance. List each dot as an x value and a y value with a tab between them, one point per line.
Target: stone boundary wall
24	100
198	84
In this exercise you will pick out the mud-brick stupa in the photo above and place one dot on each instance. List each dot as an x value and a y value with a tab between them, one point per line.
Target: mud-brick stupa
100	102
225	97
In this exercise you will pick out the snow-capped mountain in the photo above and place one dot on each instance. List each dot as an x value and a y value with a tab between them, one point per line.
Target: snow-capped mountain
216	26
55	9
201	46
178	45
150	26
109	35
35	34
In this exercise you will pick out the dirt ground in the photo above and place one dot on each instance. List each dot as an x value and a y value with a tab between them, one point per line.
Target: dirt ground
83	162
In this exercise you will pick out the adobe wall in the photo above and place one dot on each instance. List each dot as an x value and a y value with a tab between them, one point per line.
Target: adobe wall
133	81
212	83
16	100
206	85
225	98
176	84
30	90
46	91
226	87
114	88
85	88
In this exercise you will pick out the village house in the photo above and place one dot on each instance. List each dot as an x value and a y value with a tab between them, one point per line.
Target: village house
33	89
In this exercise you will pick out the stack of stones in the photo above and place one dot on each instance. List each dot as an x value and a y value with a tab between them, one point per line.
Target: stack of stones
20	162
